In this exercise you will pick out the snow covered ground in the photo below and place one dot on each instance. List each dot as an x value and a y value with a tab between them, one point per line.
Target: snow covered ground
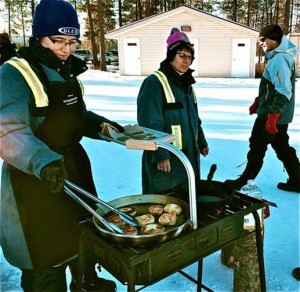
223	106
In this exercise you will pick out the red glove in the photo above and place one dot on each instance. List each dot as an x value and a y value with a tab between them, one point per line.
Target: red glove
271	123
253	108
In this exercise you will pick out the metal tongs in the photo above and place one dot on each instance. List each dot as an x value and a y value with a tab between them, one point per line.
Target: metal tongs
112	227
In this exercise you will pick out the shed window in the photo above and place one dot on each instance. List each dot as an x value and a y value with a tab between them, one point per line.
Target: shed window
241	45
131	44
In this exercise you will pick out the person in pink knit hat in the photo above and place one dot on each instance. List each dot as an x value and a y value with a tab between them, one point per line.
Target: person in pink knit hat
175	112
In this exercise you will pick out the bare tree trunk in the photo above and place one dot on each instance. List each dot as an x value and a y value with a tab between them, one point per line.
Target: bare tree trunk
291	16
140	10
286	20
120	13
101	35
23	23
92	35
234	13
9	18
276	12
32	7
267	13
248	12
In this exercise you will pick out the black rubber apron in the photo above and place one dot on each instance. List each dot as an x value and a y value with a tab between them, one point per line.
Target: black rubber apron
49	220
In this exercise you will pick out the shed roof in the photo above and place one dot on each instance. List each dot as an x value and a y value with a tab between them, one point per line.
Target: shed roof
116	33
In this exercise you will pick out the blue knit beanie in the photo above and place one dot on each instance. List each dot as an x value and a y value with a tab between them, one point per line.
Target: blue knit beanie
55	17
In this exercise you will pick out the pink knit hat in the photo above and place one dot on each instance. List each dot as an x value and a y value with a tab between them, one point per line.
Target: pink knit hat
175	37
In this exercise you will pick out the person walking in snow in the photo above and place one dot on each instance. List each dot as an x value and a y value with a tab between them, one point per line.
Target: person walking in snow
43	119
275	110
171	111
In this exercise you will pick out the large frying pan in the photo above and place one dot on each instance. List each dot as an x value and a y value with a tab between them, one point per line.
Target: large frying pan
211	195
141	203
145	240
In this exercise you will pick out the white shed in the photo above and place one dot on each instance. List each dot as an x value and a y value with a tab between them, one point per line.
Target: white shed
295	39
222	48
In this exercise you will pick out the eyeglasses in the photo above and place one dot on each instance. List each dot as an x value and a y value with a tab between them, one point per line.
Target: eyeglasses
262	39
185	57
63	43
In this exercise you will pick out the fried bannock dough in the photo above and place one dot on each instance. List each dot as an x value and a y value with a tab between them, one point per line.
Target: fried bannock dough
173	209
115	219
128	210
156	210
129	230
145	219
167	219
152	228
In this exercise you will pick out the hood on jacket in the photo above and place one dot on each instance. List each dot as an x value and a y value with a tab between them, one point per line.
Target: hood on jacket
285	46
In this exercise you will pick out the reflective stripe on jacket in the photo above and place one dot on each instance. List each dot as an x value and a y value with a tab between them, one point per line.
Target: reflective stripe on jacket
40	96
41	99
176	129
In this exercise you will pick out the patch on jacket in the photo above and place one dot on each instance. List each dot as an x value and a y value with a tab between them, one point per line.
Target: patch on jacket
71	99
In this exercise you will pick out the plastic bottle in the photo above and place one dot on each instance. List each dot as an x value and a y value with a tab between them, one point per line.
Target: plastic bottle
252	190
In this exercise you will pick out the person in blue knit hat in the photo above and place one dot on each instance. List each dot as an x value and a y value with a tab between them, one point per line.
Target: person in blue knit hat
275	107
43	119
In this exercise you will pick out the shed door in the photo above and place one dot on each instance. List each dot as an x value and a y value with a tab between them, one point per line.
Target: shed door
240	66
132	57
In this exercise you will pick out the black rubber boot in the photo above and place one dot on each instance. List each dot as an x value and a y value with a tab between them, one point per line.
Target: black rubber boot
290	186
296	273
99	285
91	281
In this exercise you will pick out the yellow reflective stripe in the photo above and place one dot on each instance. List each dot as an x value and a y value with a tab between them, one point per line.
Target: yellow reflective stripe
81	85
166	86
176	131
41	99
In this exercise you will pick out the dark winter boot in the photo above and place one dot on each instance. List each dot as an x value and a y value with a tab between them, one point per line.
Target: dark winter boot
99	285
290	186
292	166
296	273
91	281
237	184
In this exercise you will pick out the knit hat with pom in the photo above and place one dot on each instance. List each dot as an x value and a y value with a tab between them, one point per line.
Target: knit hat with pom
176	40
55	17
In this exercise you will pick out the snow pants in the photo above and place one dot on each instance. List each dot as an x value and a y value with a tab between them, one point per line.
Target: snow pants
259	141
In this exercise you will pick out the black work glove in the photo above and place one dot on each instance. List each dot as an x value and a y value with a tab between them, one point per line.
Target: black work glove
53	174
